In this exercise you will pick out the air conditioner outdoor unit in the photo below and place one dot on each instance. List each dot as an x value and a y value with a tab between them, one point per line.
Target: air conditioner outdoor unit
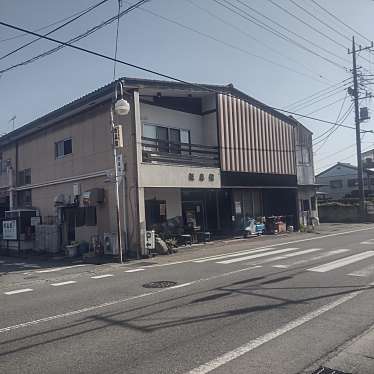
110	244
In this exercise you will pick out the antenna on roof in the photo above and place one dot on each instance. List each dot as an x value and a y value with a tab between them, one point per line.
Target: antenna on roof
13	119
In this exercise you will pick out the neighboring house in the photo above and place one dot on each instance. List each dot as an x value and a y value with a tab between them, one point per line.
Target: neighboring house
340	181
195	156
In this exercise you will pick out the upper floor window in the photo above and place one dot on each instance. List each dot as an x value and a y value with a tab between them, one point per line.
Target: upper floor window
24	177
352	182
338	183
63	148
303	155
167	139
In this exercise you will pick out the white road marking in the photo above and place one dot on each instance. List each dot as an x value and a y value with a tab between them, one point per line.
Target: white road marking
2	262
62	283
328	254
116	302
18	291
230	255
280	266
298	253
15	263
256	256
342	262
255	343
265	247
369	242
133	270
366	271
181	285
102	276
52	270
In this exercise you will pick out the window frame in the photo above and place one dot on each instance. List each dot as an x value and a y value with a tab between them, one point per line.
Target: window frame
331	183
62	143
171	148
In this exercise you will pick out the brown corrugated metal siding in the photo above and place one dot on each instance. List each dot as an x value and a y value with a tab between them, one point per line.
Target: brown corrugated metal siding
253	140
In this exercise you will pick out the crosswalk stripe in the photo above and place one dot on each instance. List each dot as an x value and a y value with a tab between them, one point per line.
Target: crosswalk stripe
315	258
236	254
342	262
364	272
298	253
256	256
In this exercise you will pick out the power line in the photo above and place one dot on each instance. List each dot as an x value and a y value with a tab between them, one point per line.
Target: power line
339	20
345	158
337	121
320	21
42	28
318	139
249	35
277	33
91	8
327	105
324	141
227	44
199	86
73	40
305	23
320	98
318	93
116	43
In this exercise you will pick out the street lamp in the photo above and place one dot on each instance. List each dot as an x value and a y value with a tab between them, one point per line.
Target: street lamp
121	107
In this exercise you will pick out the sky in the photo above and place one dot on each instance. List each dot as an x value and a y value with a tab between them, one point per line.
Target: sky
198	41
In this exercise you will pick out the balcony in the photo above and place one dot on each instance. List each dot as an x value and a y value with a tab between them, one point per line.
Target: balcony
162	151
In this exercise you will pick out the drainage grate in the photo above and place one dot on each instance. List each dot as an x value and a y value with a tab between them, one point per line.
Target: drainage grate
160	284
324	370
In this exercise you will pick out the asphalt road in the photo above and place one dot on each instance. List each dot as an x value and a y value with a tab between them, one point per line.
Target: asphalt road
270	306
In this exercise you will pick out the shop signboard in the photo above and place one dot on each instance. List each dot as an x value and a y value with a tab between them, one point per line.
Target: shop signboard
10	230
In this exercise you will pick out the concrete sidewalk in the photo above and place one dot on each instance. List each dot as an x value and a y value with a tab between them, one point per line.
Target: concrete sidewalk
354	357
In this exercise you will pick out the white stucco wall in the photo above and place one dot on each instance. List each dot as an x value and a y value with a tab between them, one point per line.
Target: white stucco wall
151	114
172	196
161	175
203	129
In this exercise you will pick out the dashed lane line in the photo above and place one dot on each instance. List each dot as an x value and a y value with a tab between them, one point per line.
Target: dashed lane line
23	290
134	270
52	270
120	301
63	283
102	276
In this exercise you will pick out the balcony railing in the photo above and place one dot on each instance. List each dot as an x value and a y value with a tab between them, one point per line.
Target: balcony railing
161	151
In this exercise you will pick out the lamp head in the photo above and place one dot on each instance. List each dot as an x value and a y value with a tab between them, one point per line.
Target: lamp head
121	107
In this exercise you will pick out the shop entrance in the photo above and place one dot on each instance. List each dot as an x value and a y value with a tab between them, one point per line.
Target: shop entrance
194	214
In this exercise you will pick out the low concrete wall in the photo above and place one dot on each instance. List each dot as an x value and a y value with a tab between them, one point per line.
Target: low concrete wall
341	213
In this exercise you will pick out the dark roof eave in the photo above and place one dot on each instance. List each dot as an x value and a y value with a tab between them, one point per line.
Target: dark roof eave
104	93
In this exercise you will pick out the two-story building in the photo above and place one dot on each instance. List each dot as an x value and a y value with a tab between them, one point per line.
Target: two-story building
340	181
210	156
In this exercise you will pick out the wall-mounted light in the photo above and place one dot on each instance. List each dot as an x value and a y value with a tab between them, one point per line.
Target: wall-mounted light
121	106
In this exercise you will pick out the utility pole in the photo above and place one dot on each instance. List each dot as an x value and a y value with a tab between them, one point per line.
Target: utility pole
356	97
